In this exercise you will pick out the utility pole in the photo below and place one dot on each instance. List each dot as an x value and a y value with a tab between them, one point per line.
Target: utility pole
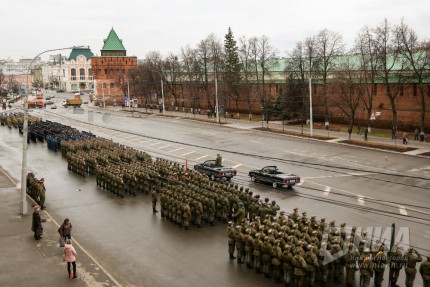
162	92
216	100
311	121
128	95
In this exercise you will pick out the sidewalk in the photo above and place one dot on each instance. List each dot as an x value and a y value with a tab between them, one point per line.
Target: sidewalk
420	147
27	262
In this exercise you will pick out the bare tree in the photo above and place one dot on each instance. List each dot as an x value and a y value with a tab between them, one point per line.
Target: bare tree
416	61
366	51
266	60
348	89
245	56
172	76
389	66
329	45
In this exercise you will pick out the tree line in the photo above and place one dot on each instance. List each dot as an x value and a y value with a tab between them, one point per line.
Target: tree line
387	54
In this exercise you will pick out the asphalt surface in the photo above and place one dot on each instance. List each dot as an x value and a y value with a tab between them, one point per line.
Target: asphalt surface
359	186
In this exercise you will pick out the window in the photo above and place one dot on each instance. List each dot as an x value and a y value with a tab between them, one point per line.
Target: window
82	74
73	74
105	71
104	86
112	85
90	74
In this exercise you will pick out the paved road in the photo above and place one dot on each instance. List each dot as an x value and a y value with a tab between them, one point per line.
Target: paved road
356	186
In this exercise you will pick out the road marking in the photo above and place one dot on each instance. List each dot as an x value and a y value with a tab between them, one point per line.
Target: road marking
146	141
360	199
326	191
164	146
187	153
153	144
237	165
201	157
256	142
175	149
402	210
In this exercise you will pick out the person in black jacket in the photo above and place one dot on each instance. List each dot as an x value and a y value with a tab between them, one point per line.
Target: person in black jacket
36	225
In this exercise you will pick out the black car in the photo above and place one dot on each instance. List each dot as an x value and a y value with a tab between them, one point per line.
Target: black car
271	175
213	171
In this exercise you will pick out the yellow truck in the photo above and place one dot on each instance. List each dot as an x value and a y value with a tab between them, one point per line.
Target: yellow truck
75	102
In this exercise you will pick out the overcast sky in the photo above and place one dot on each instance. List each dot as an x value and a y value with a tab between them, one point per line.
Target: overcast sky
28	27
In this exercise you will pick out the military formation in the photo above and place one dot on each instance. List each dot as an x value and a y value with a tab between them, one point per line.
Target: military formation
293	249
299	251
15	119
36	189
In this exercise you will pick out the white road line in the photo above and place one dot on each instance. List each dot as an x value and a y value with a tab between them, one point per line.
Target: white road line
360	199
164	146
201	157
256	142
187	153
402	210
326	191
153	144
175	149
237	165
146	141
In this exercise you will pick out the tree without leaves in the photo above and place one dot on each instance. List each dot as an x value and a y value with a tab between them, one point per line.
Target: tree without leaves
416	61
246	61
329	45
171	76
367	53
387	52
349	89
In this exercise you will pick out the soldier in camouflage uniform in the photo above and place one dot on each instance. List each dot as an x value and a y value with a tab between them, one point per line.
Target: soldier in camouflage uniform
411	263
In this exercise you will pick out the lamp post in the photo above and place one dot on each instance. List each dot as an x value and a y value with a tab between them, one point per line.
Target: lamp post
25	134
216	100
311	121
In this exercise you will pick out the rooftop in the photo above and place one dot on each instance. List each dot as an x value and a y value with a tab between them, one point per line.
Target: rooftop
113	43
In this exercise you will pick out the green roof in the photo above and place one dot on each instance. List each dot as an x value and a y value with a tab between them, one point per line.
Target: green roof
80	51
113	43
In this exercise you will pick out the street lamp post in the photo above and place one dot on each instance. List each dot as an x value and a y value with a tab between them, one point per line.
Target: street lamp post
25	135
311	122
216	100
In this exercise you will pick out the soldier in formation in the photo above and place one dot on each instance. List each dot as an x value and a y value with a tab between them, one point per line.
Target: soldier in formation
36	189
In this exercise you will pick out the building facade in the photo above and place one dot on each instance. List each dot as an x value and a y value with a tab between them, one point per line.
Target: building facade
77	73
111	70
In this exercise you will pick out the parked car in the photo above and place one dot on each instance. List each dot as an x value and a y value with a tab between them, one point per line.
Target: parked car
271	175
54	106
49	102
60	91
213	171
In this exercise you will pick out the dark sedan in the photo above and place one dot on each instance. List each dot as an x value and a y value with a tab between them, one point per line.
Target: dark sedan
271	175
213	171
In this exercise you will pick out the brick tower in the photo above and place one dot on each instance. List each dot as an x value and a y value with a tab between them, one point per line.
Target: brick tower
110	70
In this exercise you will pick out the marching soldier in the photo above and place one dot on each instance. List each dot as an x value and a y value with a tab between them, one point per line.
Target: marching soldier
186	214
154	195
396	264
240	244
300	268
231	234
380	260
411	263
312	265
425	272
366	268
350	260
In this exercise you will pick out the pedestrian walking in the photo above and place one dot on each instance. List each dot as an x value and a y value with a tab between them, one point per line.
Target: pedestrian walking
36	225
416	134
70	258
405	138
366	132
65	229
422	137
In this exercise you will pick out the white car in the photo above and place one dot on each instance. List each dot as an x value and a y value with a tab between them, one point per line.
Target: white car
54	106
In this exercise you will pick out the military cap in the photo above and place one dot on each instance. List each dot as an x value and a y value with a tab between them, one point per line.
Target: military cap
323	219
296	209
343	224
230	223
247	189
287	246
266	199
366	250
238	227
273	201
257	196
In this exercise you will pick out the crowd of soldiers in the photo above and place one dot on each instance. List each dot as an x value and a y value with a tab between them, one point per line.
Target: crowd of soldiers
36	189
293	249
298	250
15	119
